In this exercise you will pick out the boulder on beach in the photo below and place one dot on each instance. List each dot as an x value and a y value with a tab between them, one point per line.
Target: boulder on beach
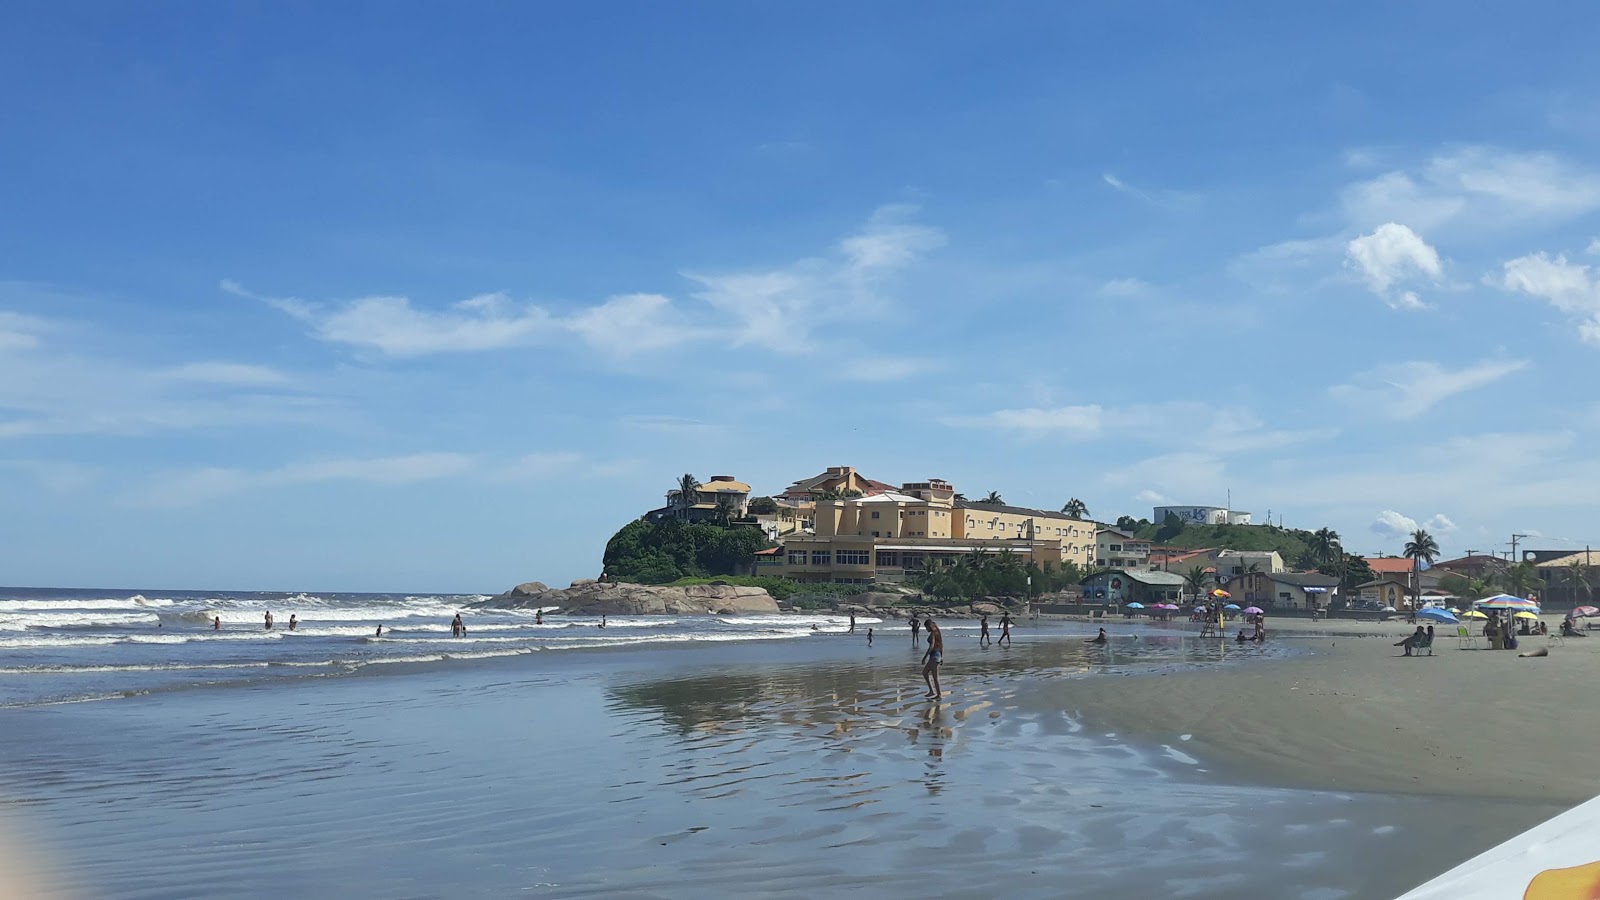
588	597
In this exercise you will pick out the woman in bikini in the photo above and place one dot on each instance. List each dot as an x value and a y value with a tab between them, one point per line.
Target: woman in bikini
932	658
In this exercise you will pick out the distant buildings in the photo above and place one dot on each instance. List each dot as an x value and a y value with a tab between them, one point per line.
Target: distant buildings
1120	550
1201	515
890	533
721	497
1285	590
1119	586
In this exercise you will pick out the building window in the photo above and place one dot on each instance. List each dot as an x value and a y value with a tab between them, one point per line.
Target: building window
797	557
888	558
820	557
855	557
874	534
874	514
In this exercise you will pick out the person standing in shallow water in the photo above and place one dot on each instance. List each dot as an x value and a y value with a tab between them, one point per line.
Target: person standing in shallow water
983	623
293	621
852	623
869	637
931	659
916	629
1005	629
269	620
216	623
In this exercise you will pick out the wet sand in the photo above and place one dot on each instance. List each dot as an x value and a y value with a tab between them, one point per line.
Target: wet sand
806	768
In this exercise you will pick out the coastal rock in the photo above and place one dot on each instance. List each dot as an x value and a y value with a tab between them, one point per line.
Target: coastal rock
588	597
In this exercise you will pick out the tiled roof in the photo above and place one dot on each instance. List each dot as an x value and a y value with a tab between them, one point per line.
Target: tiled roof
1388	564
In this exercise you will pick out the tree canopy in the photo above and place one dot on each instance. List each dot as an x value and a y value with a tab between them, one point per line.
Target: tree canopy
658	553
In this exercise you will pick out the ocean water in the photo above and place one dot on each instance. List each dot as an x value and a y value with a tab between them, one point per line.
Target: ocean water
145	756
65	645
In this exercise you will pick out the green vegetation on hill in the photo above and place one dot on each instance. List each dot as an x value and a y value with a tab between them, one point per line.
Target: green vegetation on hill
1291	543
650	553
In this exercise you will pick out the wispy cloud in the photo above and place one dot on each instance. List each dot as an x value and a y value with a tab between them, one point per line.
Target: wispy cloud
774	308
49	386
206	484
1407	390
1220	430
779	308
1125	287
1566	286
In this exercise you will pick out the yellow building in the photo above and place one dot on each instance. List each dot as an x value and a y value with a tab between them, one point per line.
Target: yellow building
885	535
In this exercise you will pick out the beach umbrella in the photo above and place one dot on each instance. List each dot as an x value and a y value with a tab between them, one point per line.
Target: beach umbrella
1506	601
1219	593
1472	614
1253	610
1525	615
1390	609
1437	614
1231	606
1583	612
1136	606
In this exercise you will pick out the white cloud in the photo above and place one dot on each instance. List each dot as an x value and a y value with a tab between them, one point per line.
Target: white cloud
780	308
541	465
1390	255
1086	421
1154	498
1407	390
631	323
1566	286
1125	287
1478	186
203	485
776	308
1593	248
1440	523
1393	525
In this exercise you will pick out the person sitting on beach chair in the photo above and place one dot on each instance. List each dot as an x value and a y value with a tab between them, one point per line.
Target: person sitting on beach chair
1569	630
1413	641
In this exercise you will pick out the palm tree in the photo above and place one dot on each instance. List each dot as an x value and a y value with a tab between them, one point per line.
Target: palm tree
960	498
1520	579
1578	575
1076	509
993	499
1196	580
687	489
726	510
1422	548
1325	547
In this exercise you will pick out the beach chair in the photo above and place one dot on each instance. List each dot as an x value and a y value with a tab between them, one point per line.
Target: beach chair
1425	644
1464	638
1553	638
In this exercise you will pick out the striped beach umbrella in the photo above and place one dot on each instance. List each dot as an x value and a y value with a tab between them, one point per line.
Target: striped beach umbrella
1506	601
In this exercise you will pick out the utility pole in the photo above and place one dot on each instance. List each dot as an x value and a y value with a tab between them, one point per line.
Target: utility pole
1514	539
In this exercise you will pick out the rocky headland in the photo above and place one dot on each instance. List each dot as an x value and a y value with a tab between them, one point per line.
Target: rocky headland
587	597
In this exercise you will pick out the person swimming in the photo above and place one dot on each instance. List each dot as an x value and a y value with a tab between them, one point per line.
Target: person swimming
1099	638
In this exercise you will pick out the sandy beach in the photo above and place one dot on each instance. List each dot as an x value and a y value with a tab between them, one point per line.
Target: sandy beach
1160	765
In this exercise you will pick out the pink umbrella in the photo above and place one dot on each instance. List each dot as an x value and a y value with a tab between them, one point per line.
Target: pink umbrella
1252	610
1583	612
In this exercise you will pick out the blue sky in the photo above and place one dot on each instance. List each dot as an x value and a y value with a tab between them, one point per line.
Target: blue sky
404	296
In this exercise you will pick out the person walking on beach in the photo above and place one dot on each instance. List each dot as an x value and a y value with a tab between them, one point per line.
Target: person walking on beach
869	637
983	625
916	629
852	623
293	621
1005	629
931	658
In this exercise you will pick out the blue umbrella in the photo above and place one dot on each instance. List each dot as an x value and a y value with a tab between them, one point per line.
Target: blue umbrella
1136	606
1231	606
1437	614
